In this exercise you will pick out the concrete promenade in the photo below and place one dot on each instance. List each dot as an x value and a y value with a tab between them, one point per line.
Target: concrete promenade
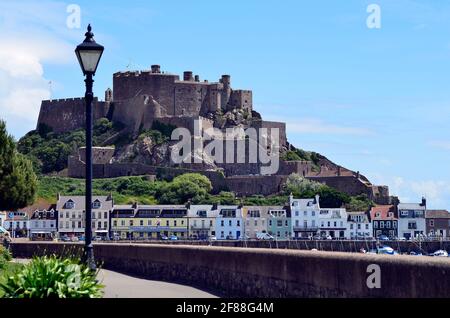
123	286
119	285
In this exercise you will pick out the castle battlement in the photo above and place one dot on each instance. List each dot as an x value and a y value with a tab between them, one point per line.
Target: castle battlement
65	100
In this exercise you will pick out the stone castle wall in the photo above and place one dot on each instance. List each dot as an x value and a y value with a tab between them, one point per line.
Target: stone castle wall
64	115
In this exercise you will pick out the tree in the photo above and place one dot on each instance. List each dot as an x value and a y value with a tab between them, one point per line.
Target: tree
18	183
192	187
303	188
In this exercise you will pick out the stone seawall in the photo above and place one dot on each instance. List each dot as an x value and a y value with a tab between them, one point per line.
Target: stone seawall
403	247
243	272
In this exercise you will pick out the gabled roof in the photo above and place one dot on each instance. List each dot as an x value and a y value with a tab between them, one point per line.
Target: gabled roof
79	201
383	211
437	214
411	206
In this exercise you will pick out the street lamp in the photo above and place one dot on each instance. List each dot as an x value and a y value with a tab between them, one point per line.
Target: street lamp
89	54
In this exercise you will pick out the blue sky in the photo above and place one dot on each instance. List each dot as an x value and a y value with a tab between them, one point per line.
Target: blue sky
373	100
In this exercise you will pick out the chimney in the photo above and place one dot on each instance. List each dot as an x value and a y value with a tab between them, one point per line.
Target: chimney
187	76
156	69
197	78
424	202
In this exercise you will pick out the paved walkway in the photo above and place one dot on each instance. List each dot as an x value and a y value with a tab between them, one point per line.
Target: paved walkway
124	286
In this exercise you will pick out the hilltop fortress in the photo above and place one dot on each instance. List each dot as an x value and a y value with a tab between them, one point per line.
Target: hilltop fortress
141	98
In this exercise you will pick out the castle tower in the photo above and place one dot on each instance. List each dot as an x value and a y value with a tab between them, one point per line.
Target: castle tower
188	76
156	69
226	92
108	95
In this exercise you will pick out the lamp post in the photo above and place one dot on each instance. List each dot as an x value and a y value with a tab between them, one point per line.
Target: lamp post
89	54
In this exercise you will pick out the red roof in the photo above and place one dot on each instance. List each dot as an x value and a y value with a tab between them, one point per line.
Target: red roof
383	212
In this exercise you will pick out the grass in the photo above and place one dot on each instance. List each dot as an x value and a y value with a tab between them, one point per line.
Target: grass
9	269
49	187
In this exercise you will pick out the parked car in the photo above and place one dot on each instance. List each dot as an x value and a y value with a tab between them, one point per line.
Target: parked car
213	238
173	238
328	237
440	253
383	238
264	236
164	238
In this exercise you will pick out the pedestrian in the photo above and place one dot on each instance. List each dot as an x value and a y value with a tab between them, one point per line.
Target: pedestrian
6	240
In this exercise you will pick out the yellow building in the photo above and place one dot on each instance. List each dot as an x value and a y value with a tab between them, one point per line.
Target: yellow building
122	218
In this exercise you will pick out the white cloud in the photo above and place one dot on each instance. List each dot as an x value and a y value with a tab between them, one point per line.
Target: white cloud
437	192
32	34
441	144
318	126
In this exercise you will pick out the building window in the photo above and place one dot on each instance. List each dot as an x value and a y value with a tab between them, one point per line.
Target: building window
238	223
105	215
141	222
115	223
105	224
96	204
382	224
375	224
431	222
229	222
388	224
99	225
305	213
222	223
313	213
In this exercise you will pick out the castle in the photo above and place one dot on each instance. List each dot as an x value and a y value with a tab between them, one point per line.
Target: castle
140	98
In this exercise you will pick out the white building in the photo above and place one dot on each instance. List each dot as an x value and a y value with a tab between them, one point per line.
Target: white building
201	221
71	215
304	217
229	223
359	225
17	223
2	218
333	222
411	219
43	222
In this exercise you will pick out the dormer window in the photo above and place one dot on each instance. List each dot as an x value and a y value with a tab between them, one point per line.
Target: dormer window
96	204
377	214
70	204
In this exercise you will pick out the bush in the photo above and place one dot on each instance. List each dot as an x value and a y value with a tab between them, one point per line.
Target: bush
52	277
5	254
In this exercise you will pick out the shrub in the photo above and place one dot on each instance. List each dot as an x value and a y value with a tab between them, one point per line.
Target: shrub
52	277
5	254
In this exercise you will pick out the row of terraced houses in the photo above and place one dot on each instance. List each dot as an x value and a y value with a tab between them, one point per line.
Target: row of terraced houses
298	219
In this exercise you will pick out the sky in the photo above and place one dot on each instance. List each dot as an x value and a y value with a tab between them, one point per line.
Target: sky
375	100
